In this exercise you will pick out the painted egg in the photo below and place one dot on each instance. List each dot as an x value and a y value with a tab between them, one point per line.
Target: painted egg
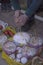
19	55
12	56
19	49
24	60
17	59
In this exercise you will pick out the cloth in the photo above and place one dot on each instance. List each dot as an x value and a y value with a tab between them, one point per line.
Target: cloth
5	5
15	4
32	6
5	1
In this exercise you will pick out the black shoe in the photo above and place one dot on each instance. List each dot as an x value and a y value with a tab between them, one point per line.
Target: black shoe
27	25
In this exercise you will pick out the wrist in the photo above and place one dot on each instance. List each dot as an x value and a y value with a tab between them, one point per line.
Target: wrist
26	16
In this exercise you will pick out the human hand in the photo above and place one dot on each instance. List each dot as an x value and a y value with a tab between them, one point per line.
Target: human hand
17	13
16	16
21	20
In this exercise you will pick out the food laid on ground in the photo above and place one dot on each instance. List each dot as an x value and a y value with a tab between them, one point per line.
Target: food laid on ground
9	31
29	52
3	25
9	47
20	47
21	38
36	41
19	53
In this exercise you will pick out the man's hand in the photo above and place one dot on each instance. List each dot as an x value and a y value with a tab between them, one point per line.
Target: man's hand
17	13
21	20
16	16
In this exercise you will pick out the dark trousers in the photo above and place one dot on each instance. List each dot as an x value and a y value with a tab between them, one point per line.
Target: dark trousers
5	6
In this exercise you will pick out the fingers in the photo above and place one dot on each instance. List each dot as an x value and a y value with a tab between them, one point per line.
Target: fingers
19	18
17	13
20	21
16	16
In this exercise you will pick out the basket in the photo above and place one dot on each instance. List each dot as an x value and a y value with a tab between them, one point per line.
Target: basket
11	61
10	28
9	38
0	48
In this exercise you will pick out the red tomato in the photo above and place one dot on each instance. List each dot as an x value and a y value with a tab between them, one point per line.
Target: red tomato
6	33
10	33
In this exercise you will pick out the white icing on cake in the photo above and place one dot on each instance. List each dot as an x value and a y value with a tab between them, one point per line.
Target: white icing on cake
9	46
3	39
29	51
36	41
21	38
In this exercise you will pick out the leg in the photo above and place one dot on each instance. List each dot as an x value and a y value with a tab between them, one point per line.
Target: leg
15	4
3	6
30	22
28	3
8	6
28	25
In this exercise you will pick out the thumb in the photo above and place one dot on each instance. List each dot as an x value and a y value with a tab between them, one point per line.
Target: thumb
17	13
